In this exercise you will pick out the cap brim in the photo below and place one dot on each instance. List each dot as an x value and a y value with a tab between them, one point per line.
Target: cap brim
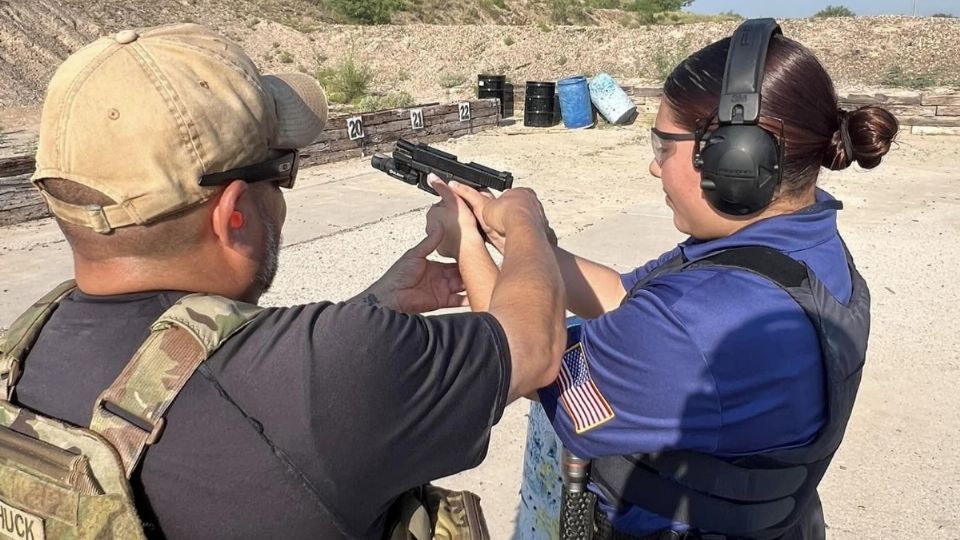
301	109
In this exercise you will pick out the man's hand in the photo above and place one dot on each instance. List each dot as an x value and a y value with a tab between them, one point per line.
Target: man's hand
492	214
452	214
415	285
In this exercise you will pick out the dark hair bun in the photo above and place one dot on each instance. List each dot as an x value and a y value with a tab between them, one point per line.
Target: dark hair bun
871	131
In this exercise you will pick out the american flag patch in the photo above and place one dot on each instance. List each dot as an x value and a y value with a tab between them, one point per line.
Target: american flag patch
578	393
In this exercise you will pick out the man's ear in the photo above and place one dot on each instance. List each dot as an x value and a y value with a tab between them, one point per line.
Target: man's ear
230	212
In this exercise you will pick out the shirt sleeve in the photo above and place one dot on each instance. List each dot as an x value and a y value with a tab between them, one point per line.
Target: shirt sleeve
631	278
643	365
366	402
415	398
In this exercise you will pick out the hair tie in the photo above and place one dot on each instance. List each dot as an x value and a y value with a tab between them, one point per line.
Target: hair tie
845	134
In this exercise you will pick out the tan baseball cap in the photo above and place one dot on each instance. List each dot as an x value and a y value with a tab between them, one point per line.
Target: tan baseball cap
141	115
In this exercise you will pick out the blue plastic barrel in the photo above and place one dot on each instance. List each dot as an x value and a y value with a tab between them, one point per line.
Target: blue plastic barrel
575	102
612	102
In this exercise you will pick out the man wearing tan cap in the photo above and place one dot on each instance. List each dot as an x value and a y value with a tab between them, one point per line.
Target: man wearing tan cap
162	155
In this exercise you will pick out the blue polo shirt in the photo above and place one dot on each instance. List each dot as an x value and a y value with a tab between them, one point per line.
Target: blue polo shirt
714	360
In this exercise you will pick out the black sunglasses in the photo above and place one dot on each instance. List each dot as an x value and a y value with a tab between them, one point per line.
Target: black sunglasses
282	170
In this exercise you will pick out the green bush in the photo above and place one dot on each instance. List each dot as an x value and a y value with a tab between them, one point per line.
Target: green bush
491	6
834	11
896	77
660	5
449	80
944	15
366	11
393	100
346	82
567	11
651	11
604	4
560	11
508	41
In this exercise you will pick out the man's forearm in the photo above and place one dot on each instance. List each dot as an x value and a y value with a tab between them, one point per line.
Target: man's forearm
592	288
529	297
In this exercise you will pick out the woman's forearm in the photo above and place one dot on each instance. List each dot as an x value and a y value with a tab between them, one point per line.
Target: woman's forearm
592	288
478	271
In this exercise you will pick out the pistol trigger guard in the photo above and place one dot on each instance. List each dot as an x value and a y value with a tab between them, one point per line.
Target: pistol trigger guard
426	186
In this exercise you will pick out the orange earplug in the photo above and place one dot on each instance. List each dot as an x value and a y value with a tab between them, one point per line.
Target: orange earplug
236	220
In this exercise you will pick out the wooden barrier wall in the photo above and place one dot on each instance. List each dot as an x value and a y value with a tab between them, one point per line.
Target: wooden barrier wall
920	112
344	137
19	200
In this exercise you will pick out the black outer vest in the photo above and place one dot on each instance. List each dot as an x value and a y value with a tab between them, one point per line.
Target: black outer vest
770	494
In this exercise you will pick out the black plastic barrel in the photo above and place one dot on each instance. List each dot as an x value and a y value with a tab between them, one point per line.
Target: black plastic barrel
507	102
496	86
490	86
540	104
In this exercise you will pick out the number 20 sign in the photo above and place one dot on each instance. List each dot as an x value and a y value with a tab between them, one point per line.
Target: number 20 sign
355	127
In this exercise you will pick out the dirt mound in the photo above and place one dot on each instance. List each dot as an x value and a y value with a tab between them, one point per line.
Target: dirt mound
438	62
36	37
424	59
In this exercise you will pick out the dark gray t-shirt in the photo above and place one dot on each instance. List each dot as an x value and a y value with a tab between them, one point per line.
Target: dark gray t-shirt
306	424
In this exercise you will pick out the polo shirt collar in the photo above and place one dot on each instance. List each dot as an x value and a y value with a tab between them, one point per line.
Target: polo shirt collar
808	227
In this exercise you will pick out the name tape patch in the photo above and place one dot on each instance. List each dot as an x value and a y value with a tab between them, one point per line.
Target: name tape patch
20	525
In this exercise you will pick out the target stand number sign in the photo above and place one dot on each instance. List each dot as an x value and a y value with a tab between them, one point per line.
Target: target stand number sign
416	118
464	109
355	128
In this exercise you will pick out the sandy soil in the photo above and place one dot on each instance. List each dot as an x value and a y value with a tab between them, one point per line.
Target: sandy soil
898	472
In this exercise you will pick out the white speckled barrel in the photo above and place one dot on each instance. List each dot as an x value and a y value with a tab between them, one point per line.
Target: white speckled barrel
612	102
540	492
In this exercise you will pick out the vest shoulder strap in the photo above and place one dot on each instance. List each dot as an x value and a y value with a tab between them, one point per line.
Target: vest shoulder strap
130	413
23	333
779	268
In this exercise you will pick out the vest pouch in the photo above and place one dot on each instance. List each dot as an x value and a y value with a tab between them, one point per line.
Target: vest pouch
433	513
49	492
62	481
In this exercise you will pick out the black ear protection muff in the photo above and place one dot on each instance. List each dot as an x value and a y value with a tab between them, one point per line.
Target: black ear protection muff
740	163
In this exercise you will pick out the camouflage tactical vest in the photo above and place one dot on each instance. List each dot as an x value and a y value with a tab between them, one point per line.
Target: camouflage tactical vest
60	481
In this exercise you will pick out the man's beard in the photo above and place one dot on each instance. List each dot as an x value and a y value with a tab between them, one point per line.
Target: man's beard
271	258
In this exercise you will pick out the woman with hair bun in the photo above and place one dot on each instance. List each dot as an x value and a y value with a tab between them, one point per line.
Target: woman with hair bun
711	386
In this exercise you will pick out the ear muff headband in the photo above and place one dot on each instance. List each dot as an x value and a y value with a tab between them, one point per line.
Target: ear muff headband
740	162
743	75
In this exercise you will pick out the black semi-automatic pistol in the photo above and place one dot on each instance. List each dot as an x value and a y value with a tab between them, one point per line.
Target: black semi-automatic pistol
413	162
